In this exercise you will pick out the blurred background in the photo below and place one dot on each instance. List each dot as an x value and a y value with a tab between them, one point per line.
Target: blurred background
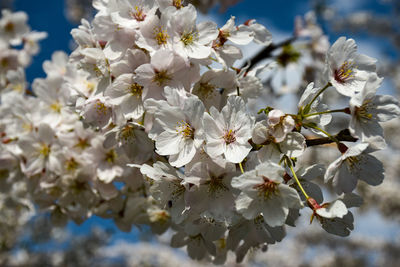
375	241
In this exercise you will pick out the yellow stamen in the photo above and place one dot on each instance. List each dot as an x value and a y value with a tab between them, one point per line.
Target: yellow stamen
136	90
56	107
345	72
138	13
185	129
161	36
229	137
111	156
161	77
44	150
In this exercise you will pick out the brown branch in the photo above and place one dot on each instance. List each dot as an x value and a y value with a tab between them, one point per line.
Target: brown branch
266	52
343	135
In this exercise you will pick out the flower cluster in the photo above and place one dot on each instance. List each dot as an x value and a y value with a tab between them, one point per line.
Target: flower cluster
149	122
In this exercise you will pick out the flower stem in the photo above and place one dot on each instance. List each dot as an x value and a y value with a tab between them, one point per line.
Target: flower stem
324	112
241	167
324	132
297	179
317	95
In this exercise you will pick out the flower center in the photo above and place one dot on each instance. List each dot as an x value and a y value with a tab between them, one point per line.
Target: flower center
160	216
101	108
267	189
9	27
56	107
4	62
216	185
177	192
352	161
363	112
188	38
111	156
18	87
206	90
127	133
71	164
44	150
136	90
82	143
161	77
222	39
177	3
345	72
229	137
138	14
185	129
161	35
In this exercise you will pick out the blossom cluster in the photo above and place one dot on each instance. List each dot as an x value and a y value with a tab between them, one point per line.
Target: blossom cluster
149	122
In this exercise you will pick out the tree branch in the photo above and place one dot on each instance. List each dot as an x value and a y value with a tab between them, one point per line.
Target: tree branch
343	135
266	52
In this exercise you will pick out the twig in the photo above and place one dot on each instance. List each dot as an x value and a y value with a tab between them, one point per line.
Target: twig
343	135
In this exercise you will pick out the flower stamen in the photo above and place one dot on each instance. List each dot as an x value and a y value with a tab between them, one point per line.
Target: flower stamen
161	77
185	129
161	35
267	189
229	137
345	72
138	13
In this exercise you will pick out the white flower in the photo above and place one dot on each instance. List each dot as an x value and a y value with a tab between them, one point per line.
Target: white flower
213	195
248	234
31	46
248	82
191	40
210	83
16	81
127	94
332	210
132	14
334	217
279	124
228	132
261	34
40	150
97	111
368	109
345	69
274	129
169	188
263	192
57	67
227	54
155	34
353	165
165	69
108	162
237	35
131	139
182	131
13	26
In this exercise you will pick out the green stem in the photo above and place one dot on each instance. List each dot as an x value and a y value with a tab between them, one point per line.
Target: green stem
295	177
317	95
324	132
324	112
241	167
142	120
